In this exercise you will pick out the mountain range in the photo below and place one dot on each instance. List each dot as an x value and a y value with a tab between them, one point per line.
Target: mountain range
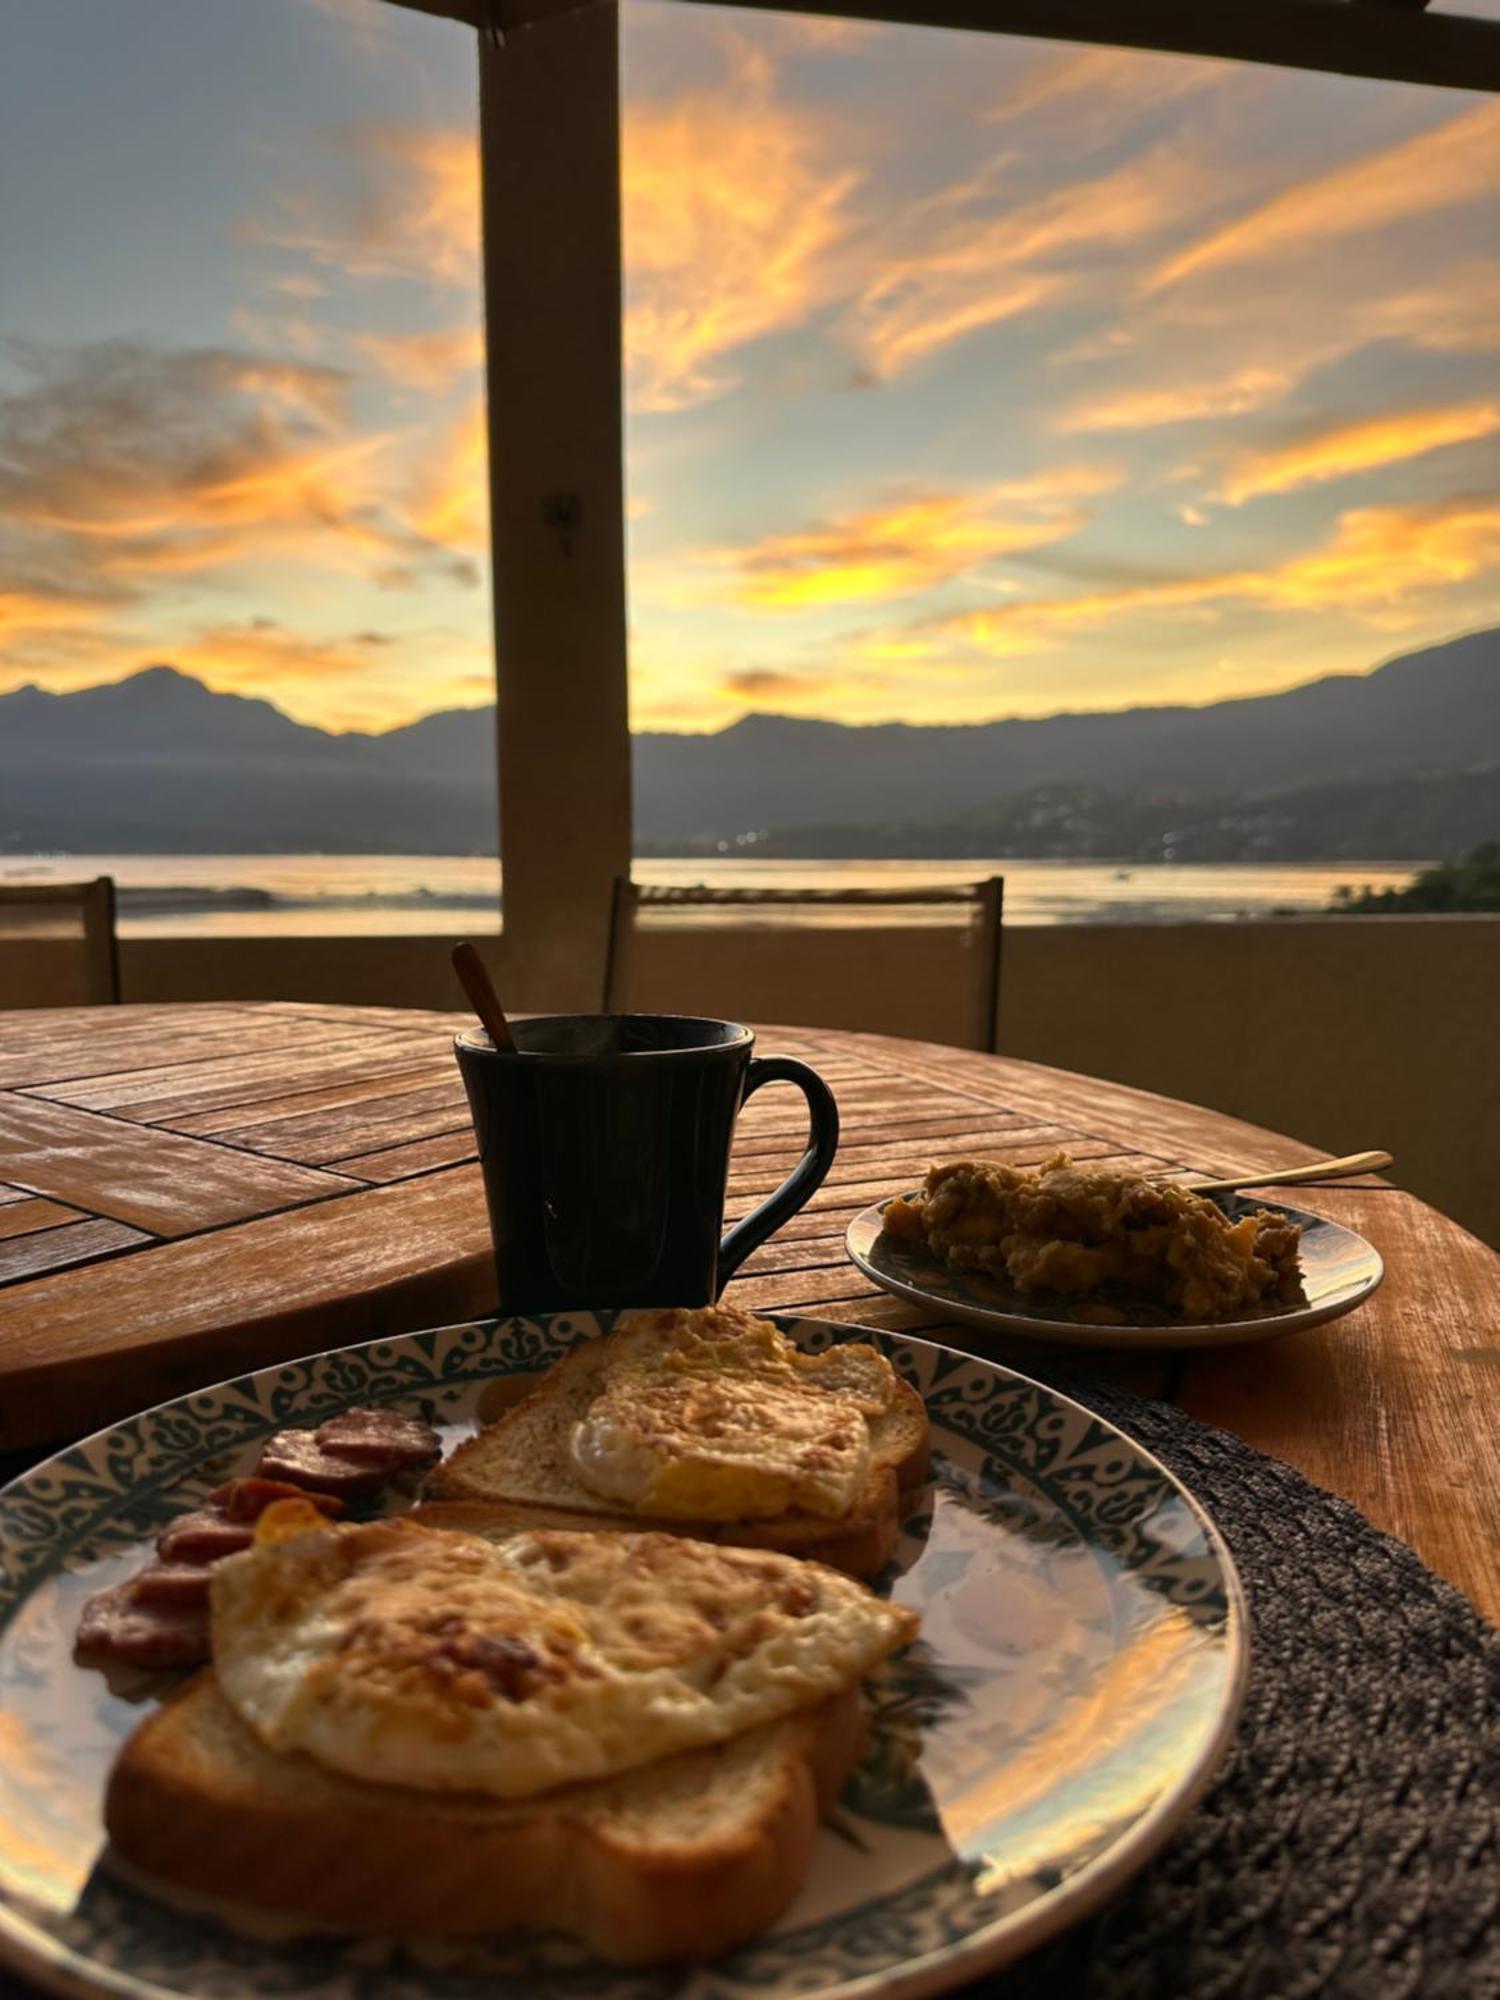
1404	760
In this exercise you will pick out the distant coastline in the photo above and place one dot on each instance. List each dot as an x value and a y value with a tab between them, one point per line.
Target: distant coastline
315	894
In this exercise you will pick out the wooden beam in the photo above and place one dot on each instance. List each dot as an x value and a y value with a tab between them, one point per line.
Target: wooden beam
1394	43
549	135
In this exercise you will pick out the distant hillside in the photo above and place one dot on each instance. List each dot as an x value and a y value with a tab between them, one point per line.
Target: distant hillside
158	763
1361	819
1436	710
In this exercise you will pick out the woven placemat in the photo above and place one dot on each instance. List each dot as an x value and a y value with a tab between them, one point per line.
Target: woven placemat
1350	1846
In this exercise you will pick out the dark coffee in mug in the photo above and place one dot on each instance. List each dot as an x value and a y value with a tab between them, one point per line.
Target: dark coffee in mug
604	1141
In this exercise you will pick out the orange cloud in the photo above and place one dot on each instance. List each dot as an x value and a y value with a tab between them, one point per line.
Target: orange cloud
909	544
26	615
1377	556
769	687
970	266
1372	564
732	209
1231	395
432	361
1102	91
128	466
260	654
413	211
450	503
1455	162
1377	441
129	463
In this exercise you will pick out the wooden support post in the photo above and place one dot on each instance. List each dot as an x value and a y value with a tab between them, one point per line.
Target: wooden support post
550	144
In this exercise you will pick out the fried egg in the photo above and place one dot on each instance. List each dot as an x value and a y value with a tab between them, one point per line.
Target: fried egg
714	1415
423	1657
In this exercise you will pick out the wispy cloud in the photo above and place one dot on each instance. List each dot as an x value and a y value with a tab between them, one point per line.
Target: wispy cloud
908	543
133	462
975	256
138	485
449	501
1376	561
1101	93
767	687
1455	162
1231	395
733	204
394	201
1387	439
430	361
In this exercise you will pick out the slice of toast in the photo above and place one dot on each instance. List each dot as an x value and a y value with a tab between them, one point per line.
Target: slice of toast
522	1464
680	1860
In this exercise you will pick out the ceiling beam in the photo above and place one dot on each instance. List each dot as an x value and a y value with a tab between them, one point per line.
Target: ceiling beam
1395	43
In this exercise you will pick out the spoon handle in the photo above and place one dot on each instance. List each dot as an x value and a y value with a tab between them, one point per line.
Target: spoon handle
1316	1170
483	998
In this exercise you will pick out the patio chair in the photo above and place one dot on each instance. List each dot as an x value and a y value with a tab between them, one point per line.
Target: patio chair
57	944
975	909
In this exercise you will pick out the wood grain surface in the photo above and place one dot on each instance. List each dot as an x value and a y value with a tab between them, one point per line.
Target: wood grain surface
188	1192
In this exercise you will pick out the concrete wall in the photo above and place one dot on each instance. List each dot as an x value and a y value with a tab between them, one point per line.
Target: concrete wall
1349	1032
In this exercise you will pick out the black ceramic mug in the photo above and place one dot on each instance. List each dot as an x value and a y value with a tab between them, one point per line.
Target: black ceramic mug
604	1141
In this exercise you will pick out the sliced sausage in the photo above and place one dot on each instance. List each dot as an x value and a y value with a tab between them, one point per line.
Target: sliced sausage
116	1625
247	1499
172	1583
382	1437
297	1457
204	1537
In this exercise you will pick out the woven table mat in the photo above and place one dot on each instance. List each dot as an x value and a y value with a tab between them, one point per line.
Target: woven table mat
1350	1846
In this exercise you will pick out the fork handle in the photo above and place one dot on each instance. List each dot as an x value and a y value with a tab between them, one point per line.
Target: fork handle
1316	1170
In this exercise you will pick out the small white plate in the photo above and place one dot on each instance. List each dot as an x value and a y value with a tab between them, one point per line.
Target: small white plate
1079	1673
1339	1271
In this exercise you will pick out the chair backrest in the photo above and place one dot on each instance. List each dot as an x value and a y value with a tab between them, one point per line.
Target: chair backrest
76	959
982	902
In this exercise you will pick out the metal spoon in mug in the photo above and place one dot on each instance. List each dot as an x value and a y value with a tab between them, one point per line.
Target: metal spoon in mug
483	998
1315	1170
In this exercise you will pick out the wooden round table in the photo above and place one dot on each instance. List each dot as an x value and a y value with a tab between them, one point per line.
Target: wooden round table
187	1192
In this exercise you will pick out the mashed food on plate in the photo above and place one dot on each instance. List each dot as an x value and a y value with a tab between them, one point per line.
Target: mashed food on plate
1075	1230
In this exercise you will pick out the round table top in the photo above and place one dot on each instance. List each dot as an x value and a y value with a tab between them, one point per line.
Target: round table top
188	1192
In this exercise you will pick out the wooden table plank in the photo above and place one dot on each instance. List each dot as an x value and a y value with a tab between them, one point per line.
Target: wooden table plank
22	1216
71	1244
105	1047
876	1171
1116	1111
332	1132
236	1124
399	1163
159	1095
156	1180
80	1350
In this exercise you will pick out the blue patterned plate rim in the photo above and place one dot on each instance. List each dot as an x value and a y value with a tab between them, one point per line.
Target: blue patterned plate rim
976	1301
36	1951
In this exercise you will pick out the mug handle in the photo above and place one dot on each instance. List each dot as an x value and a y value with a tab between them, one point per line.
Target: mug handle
805	1178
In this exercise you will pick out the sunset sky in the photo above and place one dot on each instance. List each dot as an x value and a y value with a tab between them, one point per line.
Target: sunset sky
967	377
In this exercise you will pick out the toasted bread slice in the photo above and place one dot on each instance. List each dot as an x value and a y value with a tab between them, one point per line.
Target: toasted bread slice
523	1462
680	1860
860	1545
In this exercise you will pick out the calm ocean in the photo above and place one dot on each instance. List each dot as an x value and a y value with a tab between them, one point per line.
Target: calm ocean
352	894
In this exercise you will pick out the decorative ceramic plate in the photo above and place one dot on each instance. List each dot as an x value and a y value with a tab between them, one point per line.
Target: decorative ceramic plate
1339	1272
1079	1672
